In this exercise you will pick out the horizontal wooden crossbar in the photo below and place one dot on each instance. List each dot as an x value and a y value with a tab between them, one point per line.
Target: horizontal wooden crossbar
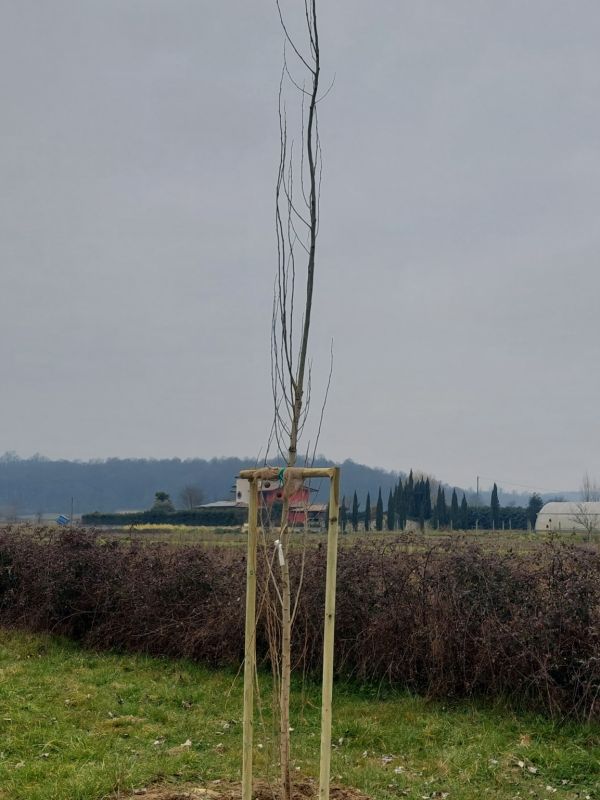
272	473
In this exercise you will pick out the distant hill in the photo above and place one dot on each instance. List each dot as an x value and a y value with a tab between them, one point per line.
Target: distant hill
40	486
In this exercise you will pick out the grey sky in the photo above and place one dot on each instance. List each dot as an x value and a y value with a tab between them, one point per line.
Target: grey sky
459	241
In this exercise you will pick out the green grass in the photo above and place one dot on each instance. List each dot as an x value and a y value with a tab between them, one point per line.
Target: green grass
178	535
497	541
75	725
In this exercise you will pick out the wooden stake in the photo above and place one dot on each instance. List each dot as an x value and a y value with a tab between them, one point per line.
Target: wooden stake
250	642
327	692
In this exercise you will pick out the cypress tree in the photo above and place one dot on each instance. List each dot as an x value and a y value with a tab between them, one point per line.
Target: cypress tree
343	515
444	517
418	498
533	509
495	508
401	506
427	499
454	511
464	513
368	512
441	510
410	496
354	519
391	513
379	512
436	511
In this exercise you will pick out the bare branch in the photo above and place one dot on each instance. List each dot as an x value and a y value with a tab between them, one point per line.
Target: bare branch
324	403
290	40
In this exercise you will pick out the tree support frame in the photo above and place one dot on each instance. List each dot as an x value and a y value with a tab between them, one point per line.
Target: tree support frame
254	476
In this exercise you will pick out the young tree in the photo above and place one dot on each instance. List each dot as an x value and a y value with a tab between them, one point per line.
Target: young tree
379	512
297	225
590	491
586	517
162	503
354	519
368	512
191	497
495	508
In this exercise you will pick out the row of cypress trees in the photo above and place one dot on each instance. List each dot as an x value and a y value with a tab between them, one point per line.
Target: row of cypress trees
412	500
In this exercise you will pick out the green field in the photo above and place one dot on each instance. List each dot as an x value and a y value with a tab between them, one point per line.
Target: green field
78	725
191	534
502	540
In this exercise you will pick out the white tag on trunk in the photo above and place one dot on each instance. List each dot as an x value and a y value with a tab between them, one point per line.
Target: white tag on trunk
279	547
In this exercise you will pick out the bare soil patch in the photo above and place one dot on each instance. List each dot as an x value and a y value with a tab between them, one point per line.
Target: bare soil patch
302	790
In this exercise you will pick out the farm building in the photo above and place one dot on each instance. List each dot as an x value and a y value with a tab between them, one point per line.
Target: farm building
569	516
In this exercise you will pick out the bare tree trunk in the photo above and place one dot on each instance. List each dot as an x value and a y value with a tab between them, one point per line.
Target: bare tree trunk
286	663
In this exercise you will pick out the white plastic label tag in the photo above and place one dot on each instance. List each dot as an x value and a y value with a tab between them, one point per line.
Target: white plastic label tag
279	547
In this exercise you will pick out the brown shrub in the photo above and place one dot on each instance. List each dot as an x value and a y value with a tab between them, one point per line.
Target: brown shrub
451	620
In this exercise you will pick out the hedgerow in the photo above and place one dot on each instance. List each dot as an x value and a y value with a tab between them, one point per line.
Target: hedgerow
452	619
202	516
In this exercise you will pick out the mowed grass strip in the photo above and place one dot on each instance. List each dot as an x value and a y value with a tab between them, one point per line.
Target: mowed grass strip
76	725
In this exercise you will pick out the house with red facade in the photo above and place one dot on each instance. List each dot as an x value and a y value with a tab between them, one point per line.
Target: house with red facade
270	494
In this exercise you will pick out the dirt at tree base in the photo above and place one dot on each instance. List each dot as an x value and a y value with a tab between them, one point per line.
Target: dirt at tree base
221	790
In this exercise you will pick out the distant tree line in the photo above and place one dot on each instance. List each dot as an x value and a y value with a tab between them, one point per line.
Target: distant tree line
38	485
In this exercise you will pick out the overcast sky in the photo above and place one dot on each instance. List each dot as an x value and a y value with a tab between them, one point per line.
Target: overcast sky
458	268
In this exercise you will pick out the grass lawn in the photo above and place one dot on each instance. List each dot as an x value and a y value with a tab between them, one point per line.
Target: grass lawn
76	725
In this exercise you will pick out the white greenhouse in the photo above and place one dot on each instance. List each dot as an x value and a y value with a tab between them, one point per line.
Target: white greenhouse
569	517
